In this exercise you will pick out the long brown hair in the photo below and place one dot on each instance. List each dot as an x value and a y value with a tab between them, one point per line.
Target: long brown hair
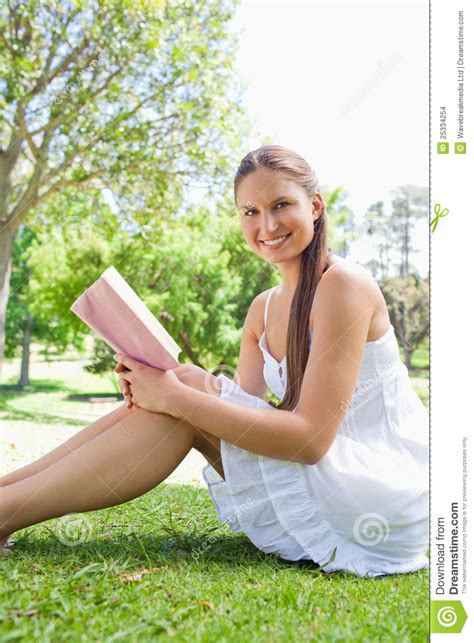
314	261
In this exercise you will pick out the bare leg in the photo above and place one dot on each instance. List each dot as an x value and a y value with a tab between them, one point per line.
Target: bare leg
209	445
91	431
120	464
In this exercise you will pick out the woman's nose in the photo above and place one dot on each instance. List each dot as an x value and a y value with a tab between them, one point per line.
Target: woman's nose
269	225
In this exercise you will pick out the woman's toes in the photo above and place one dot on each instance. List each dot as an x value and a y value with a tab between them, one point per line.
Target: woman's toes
5	546
5	541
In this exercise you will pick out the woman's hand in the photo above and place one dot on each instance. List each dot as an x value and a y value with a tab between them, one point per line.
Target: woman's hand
148	388
125	387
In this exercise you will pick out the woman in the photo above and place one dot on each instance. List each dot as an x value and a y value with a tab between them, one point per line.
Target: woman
336	473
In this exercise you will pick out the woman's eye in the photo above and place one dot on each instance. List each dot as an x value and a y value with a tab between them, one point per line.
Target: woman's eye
247	212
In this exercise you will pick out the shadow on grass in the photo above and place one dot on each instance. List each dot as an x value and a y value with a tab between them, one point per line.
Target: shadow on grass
35	386
137	535
9	393
94	397
10	414
143	549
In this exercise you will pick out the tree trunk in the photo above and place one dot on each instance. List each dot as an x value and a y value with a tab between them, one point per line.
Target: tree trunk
17	214
6	241
407	349
25	355
406	244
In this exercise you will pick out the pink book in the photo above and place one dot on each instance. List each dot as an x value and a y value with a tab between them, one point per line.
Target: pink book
117	314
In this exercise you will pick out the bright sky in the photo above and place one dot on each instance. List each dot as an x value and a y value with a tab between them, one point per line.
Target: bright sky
344	84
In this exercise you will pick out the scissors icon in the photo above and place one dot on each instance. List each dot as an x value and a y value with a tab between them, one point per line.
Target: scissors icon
438	215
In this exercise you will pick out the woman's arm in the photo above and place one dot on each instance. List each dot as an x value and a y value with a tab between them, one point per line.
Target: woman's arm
270	432
267	431
341	314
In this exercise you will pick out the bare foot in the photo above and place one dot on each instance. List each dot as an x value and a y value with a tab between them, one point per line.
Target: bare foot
5	543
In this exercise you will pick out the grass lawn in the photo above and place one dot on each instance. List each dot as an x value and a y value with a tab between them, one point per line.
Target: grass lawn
162	566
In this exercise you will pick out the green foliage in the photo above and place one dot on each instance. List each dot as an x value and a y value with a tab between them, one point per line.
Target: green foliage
140	94
137	97
196	274
102	361
22	313
60	275
340	220
185	276
407	301
53	263
18	312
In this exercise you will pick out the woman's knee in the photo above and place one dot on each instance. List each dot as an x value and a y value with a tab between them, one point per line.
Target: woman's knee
199	379
207	444
124	411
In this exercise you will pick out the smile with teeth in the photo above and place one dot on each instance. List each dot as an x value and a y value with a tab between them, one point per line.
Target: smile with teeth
277	242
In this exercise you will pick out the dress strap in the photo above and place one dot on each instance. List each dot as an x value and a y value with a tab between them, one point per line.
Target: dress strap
266	308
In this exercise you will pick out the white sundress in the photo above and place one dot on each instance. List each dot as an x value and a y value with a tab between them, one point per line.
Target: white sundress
366	501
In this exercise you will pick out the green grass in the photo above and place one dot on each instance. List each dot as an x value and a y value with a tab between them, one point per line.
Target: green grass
46	403
161	566
420	358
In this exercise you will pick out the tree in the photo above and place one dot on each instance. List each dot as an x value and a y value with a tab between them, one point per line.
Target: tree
377	228
407	300
341	221
137	96
26	321
48	269
21	325
181	272
54	260
195	273
185	275
409	204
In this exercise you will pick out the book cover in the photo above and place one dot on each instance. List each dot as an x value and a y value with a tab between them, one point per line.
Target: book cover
113	310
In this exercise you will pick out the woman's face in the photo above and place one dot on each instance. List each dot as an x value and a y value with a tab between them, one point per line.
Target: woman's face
271	205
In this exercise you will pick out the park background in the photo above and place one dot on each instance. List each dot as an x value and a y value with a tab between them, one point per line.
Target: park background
122	127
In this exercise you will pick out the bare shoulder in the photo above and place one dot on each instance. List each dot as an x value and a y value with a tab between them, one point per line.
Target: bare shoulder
351	272
345	282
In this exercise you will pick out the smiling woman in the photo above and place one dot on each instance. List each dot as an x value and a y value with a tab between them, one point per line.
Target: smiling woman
337	473
284	221
361	505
